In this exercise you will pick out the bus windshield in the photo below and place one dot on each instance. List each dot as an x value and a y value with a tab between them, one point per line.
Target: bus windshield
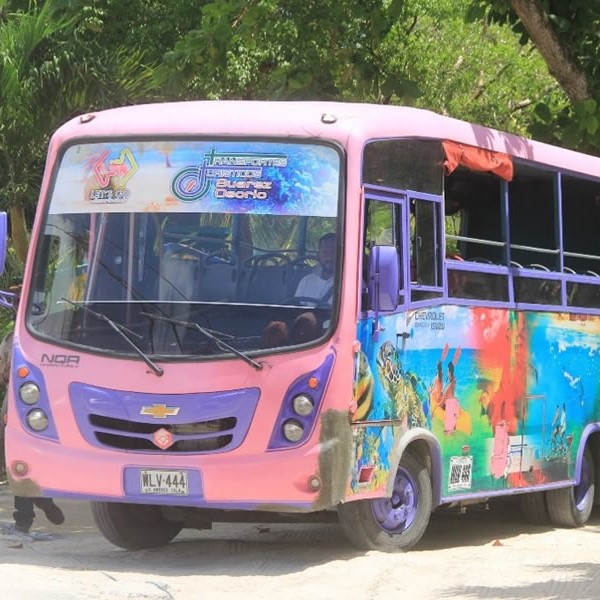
189	248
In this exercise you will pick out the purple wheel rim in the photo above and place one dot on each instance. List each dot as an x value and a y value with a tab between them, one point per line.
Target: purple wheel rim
397	513
582	490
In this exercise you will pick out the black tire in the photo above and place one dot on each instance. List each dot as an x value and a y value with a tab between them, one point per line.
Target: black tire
392	524
597	478
596	457
533	506
134	526
572	506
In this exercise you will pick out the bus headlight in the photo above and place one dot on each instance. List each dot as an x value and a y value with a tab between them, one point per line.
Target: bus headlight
37	419
293	431
303	405
29	393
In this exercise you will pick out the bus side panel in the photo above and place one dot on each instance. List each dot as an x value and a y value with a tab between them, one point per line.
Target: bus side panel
507	394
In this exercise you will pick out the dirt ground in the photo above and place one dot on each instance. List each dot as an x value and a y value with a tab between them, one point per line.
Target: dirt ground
493	555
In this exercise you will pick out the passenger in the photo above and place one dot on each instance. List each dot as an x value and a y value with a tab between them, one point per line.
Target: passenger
304	328
275	335
456	279
318	285
24	513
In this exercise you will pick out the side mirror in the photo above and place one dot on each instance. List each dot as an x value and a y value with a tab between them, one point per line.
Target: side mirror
3	240
384	278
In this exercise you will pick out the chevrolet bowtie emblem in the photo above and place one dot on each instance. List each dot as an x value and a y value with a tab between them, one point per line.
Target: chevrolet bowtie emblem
159	411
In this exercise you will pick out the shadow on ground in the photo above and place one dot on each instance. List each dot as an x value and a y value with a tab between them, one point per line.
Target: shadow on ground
270	549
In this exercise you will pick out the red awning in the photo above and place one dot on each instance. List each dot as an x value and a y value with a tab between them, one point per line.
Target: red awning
477	159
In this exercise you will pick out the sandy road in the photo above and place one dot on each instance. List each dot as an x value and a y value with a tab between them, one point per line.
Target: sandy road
492	555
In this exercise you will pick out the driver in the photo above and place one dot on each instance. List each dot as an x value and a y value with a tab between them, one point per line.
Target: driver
319	283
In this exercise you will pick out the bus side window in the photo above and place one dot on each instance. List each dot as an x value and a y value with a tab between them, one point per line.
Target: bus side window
473	209
531	199
381	228
581	228
475	232
425	243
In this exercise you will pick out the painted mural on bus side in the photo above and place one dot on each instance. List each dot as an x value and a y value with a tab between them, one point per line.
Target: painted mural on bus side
505	393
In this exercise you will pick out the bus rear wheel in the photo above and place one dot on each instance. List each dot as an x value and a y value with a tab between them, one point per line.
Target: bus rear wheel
572	506
534	507
392	524
134	526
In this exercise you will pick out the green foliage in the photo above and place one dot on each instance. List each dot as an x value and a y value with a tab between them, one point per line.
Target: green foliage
281	49
29	85
53	66
498	85
11	278
416	52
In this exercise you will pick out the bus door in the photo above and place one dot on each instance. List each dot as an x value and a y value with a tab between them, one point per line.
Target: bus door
400	344
420	338
378	373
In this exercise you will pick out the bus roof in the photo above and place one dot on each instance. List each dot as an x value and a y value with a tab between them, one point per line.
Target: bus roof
350	124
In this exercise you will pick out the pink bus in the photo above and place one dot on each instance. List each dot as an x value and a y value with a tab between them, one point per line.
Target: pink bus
307	311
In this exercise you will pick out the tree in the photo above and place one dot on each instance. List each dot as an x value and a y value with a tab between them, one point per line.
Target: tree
565	34
26	84
417	52
51	68
283	49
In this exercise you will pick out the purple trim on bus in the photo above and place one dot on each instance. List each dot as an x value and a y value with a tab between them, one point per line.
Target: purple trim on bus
300	386
506	492
379	192
512	272
93	407
35	376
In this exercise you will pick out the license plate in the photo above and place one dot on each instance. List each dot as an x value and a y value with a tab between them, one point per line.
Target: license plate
174	483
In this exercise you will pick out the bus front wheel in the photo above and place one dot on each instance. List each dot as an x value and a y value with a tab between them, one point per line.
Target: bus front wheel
572	506
396	523
134	526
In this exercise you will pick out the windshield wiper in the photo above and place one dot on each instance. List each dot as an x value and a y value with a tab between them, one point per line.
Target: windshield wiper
208	333
124	332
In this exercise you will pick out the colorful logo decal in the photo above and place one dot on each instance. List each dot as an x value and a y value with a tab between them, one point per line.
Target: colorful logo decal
112	174
235	175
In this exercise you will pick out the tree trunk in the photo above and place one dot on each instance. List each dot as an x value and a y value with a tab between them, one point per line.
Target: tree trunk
562	66
19	235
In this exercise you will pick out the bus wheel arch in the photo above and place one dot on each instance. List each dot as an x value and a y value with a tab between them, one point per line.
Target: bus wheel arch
395	523
572	506
398	520
425	446
134	526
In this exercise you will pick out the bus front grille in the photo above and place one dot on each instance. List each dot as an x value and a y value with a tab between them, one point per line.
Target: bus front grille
203	436
207	422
